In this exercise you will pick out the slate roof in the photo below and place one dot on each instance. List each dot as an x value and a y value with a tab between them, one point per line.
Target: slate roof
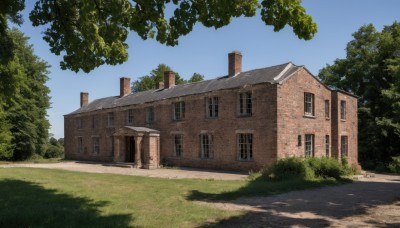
273	75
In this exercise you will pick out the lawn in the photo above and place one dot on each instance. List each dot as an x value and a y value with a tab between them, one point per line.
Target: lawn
56	198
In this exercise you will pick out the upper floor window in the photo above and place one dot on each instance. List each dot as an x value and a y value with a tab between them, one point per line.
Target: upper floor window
178	110
245	104
308	104
96	145
79	123
206	143
245	147
110	119
309	146
95	121
149	114
129	117
80	145
327	110
344	146
343	110
327	146
178	145
212	106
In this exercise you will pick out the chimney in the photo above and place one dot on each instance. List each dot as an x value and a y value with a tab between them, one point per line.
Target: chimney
125	86
235	63
169	79
84	99
161	85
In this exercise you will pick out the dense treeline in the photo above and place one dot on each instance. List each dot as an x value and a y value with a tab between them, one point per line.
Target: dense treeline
24	99
371	70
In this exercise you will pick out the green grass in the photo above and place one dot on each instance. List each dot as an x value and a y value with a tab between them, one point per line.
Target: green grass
56	198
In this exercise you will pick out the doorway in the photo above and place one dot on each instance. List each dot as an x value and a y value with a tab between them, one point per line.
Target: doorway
130	149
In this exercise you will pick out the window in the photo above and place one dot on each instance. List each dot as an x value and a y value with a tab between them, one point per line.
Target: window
95	121
245	147
212	106
327	110
96	145
80	145
112	146
308	104
129	117
245	104
178	145
206	143
110	119
79	123
327	146
150	115
178	110
309	146
343	110
343	146
299	140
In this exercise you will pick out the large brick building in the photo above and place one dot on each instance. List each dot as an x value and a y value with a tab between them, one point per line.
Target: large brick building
241	121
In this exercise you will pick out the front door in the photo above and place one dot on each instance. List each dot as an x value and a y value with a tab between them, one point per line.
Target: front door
130	149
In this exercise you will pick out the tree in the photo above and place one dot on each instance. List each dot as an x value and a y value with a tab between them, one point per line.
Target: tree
371	70
196	77
152	81
24	99
91	33
54	148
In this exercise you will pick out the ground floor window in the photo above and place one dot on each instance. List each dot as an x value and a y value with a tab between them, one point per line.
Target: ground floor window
327	145
96	145
178	145
245	147
344	146
112	146
206	143
309	146
80	145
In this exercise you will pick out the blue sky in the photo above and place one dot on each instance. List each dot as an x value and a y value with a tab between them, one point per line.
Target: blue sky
205	50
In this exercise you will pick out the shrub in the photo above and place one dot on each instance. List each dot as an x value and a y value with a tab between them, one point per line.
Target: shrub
326	167
290	168
54	152
394	165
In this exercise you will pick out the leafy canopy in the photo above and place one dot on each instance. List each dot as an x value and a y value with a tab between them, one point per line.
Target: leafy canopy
91	33
371	70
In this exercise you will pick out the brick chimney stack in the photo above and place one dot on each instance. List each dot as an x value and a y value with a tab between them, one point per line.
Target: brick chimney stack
161	85
125	86
84	99
169	79
235	63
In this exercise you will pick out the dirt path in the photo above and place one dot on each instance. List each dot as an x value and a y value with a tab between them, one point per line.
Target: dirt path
181	173
369	202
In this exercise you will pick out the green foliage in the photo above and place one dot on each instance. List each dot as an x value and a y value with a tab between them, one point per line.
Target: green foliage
394	165
24	99
309	169
371	70
54	149
149	82
91	33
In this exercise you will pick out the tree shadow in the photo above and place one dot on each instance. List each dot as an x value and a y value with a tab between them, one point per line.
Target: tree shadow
311	208
26	204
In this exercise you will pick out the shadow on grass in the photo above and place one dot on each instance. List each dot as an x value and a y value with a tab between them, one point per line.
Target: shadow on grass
26	204
314	208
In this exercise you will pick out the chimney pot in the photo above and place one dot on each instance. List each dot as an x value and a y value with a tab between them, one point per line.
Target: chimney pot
125	86
169	79
235	63
84	99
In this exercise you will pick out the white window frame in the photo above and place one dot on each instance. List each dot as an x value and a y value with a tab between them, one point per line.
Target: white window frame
129	117
343	111
212	107
245	146
96	145
178	110
206	146
344	146
178	145
245	103
309	148
309	104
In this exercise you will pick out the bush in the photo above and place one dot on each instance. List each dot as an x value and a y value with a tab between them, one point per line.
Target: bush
394	166
309	168
54	151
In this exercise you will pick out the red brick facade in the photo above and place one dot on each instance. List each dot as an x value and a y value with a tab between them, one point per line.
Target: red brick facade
256	125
